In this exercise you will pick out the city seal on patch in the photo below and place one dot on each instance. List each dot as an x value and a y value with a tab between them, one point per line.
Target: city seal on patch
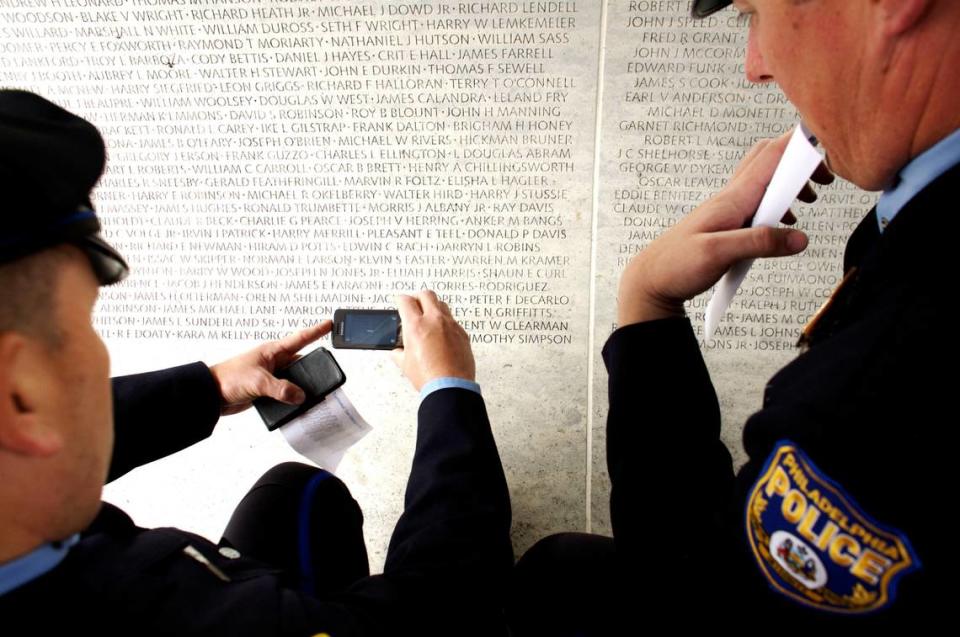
815	545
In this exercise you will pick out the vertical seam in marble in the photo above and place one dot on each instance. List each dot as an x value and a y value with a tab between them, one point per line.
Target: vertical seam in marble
591	338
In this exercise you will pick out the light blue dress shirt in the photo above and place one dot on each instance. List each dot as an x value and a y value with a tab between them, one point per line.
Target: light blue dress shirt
447	382
34	564
917	175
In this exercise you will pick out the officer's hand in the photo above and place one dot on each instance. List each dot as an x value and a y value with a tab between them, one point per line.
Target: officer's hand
690	257
250	375
434	344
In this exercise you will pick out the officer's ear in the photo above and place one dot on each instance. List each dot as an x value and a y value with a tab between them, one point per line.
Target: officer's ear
23	429
897	17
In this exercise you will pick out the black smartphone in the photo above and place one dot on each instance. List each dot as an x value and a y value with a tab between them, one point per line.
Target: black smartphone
366	329
316	373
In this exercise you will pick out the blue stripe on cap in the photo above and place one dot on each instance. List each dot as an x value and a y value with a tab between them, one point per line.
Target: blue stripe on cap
82	214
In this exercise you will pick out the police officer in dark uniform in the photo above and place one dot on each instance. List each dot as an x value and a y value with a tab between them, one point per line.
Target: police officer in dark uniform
835	522
292	560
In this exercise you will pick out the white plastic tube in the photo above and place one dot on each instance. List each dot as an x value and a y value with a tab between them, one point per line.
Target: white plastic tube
796	166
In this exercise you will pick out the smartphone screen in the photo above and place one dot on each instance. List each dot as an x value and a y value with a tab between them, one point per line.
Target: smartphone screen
366	329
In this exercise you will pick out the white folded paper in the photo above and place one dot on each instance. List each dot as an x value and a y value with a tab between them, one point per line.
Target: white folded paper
796	166
325	432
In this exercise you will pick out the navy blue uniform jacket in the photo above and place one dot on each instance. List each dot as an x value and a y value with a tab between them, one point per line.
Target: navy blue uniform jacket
447	557
849	456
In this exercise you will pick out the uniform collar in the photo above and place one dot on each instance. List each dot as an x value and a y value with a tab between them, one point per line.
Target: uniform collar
917	175
34	564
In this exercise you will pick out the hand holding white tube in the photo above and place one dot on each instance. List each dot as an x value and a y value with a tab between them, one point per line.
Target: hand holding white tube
796	166
689	258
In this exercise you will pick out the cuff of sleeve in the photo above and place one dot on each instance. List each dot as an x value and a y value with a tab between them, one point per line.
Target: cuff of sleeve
208	400
446	383
650	341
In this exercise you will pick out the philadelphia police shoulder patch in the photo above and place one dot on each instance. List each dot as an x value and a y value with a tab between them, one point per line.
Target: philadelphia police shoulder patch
814	543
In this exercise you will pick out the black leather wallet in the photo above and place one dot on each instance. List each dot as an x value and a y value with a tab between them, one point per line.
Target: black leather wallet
317	374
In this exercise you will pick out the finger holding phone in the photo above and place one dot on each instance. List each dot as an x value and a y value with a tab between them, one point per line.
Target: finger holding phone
251	375
282	384
434	344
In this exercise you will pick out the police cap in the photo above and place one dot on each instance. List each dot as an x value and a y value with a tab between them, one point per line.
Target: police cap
50	159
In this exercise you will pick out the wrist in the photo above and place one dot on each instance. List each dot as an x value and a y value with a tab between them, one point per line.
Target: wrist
640	310
217	372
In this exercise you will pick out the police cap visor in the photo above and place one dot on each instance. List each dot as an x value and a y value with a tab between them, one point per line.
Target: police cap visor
703	8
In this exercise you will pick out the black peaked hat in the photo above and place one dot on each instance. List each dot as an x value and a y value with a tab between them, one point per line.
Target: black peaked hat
50	160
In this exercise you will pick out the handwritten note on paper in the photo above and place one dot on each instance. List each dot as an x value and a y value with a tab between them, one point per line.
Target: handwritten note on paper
325	432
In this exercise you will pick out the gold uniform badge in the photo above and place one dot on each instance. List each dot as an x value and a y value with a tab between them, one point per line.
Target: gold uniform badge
815	545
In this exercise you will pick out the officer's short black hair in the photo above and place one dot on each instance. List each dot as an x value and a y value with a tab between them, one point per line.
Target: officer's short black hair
29	286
